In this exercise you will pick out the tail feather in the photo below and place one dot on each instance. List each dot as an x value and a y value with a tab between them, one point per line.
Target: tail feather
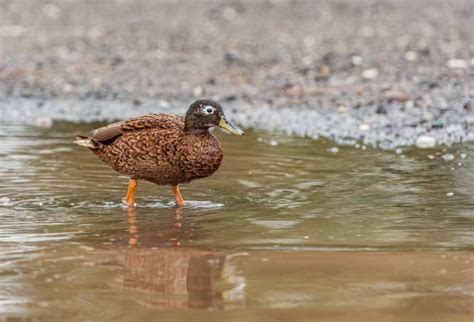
86	141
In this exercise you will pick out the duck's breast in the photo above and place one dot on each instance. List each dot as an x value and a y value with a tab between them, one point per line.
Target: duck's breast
203	156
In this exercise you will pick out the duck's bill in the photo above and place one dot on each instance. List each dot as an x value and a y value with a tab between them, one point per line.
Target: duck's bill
229	127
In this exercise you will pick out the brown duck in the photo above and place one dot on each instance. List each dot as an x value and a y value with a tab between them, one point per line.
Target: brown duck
163	149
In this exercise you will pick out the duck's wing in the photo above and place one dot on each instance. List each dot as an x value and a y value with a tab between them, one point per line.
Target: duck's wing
109	133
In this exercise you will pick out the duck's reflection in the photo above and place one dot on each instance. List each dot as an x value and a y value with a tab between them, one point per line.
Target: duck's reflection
178	276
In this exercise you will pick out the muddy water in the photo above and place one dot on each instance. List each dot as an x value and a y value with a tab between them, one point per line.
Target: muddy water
285	231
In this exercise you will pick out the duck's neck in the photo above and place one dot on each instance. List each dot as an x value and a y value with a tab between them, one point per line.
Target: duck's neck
192	130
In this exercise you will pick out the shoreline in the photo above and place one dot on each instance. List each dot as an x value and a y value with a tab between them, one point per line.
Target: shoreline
345	127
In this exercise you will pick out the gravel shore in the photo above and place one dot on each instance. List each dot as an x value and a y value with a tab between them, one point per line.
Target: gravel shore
382	72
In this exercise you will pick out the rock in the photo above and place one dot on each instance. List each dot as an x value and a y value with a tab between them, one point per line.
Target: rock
43	122
437	124
411	55
381	109
198	91
356	60
457	63
364	127
425	142
370	73
334	149
233	56
396	96
448	157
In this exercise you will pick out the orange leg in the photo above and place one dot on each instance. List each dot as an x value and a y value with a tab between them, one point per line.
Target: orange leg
177	194
130	198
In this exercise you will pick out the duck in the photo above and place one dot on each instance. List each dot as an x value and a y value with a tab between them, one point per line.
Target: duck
163	149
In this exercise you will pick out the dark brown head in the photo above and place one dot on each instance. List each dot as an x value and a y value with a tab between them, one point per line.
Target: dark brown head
204	114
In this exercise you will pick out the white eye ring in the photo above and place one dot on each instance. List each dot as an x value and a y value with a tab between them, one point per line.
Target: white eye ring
208	110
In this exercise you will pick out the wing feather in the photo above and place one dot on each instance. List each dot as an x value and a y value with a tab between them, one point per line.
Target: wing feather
109	133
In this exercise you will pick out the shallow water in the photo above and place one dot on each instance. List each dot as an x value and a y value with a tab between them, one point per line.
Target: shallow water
285	231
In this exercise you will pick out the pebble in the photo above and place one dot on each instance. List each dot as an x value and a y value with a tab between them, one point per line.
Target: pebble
356	60
448	157
457	63
411	55
273	142
370	73
43	122
364	127
198	91
163	103
450	194
431	157
425	142
463	155
334	149
233	56
398	151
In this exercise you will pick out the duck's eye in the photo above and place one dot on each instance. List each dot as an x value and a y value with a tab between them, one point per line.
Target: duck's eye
208	110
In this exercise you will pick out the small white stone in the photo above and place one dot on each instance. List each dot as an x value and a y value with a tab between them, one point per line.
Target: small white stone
398	151
425	142
411	55
364	127
448	157
306	237
463	155
450	194
409	104
163	103
43	122
342	108
198	91
334	149
67	88
370	73
273	142
431	157
356	60
457	63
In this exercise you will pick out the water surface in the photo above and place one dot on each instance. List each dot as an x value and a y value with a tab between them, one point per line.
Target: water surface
287	230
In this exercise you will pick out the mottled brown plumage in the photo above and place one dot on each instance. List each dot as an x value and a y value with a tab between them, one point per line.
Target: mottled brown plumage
163	149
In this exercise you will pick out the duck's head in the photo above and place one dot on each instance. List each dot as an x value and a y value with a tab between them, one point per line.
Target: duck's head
204	114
